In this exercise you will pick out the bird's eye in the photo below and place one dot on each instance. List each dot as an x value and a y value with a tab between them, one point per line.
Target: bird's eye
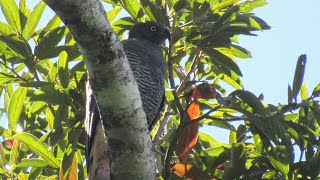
153	28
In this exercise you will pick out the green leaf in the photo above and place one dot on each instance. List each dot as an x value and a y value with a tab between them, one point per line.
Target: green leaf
33	162
241	132
236	167
33	20
15	106
316	90
298	75
35	84
14	154
50	94
304	91
221	124
225	17
155	12
51	25
248	6
5	29
240	52
251	100
113	13
207	140
222	60
133	7
49	41
39	148
11	13
290	98
24	13
17	46
63	70
6	78
224	4
279	158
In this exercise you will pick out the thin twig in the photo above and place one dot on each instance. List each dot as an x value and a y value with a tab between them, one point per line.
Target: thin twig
12	70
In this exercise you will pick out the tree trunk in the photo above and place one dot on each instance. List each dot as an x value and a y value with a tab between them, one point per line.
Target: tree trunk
113	86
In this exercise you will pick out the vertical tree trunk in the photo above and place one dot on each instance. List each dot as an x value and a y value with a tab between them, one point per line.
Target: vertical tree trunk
113	86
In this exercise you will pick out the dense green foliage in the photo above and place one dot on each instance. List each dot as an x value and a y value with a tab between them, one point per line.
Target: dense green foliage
42	85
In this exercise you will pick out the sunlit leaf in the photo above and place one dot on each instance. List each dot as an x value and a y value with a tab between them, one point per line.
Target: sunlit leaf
207	140
220	59
304	92
316	90
113	13
14	152
50	94
33	162
133	7
279	159
63	71
11	13
180	169
38	148
15	106
33	20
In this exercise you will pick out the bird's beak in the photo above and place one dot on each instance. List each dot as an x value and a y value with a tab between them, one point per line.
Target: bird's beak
167	35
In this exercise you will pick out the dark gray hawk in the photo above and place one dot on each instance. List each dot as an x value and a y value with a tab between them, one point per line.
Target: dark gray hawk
144	53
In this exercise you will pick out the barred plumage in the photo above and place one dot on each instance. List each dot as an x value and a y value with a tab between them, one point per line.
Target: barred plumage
144	53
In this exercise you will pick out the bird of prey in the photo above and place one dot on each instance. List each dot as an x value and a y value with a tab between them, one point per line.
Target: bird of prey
144	53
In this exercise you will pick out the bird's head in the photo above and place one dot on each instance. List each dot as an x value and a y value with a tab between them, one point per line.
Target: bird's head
151	31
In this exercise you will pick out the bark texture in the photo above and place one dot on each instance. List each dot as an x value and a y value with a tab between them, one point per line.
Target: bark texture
113	86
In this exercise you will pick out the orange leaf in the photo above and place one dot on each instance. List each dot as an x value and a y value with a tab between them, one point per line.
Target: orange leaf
9	143
73	174
204	91
190	172
193	110
181	169
187	140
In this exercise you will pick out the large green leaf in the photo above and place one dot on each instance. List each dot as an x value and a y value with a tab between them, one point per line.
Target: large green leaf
50	94
48	43
39	148
155	12
236	167
15	106
133	7
14	154
33	20
5	29
251	100
279	158
316	90
11	13
113	13
206	140
19	47
24	13
222	60
248	6
63	71
33	162
298	75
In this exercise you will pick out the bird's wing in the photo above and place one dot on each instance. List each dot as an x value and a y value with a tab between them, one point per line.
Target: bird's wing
96	148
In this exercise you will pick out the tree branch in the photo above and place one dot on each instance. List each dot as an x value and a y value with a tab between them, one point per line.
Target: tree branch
113	86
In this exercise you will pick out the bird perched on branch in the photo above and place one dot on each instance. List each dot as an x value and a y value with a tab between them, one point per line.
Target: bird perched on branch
144	53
